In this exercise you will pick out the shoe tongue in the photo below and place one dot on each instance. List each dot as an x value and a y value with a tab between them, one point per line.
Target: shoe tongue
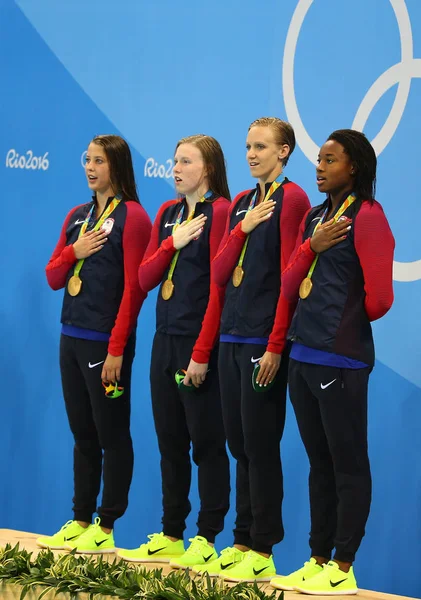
333	565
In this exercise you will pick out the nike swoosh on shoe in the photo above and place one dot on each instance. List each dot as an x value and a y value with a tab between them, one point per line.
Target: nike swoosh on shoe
151	552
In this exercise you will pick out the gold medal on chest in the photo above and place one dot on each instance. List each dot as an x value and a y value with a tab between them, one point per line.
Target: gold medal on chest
167	289
305	288
237	276
74	285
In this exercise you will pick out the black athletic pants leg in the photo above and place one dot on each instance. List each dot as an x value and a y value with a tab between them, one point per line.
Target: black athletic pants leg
183	418
100	427
330	405
254	423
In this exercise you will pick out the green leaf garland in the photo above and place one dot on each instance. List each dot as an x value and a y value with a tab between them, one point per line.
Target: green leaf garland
97	577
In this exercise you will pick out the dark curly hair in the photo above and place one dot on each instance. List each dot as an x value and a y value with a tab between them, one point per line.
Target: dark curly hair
362	154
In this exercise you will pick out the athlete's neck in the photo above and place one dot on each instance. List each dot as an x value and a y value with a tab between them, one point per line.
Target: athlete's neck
101	200
337	198
268	179
193	198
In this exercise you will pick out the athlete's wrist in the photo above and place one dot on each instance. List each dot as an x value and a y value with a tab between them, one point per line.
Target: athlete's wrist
238	231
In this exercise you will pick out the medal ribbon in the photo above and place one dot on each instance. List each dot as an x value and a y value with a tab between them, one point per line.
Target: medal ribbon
252	204
176	224
111	207
347	203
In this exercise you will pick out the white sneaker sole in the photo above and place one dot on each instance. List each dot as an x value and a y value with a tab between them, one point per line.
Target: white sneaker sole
50	547
156	559
251	580
350	592
285	588
101	551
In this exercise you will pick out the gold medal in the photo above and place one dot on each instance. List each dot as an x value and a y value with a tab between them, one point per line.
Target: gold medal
305	288
237	276
167	289
74	285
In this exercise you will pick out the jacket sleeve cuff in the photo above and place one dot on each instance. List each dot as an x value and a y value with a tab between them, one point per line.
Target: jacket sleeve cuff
200	356
276	347
307	248
238	232
115	349
68	254
168	244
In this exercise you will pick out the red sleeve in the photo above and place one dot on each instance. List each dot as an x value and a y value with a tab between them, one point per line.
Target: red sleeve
210	325
137	230
298	265
230	248
294	206
157	257
375	244
62	259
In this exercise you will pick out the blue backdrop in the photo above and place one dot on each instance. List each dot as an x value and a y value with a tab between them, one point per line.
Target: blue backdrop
154	72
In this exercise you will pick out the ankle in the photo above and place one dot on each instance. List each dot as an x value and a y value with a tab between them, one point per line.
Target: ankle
172	539
344	566
241	548
321	560
106	530
83	524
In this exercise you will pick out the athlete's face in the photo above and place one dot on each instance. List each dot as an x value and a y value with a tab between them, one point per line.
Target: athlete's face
97	170
264	154
189	171
334	169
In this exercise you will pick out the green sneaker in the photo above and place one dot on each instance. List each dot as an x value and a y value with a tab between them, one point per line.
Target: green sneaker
288	583
158	549
228	558
198	553
69	532
93	541
330	582
253	567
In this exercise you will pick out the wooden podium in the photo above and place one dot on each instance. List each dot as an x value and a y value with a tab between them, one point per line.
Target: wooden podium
27	541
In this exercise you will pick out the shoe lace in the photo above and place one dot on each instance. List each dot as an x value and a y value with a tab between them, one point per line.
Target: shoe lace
250	556
229	552
197	544
154	538
66	525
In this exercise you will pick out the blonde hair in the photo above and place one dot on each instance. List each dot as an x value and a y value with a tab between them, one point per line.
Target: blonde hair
284	133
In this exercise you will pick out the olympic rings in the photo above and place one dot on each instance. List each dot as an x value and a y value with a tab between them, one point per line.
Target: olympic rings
402	73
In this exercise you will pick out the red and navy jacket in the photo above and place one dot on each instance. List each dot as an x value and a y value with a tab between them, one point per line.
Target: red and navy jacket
255	311
183	313
352	284
110	299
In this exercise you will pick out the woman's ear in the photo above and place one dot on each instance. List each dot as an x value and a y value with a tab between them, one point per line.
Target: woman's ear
283	152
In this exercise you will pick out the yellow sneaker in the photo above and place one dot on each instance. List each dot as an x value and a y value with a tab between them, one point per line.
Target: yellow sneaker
198	553
93	541
158	549
253	567
229	557
330	582
288	583
70	532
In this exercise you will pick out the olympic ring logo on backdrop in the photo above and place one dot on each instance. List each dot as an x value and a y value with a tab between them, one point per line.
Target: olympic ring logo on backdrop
401	74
